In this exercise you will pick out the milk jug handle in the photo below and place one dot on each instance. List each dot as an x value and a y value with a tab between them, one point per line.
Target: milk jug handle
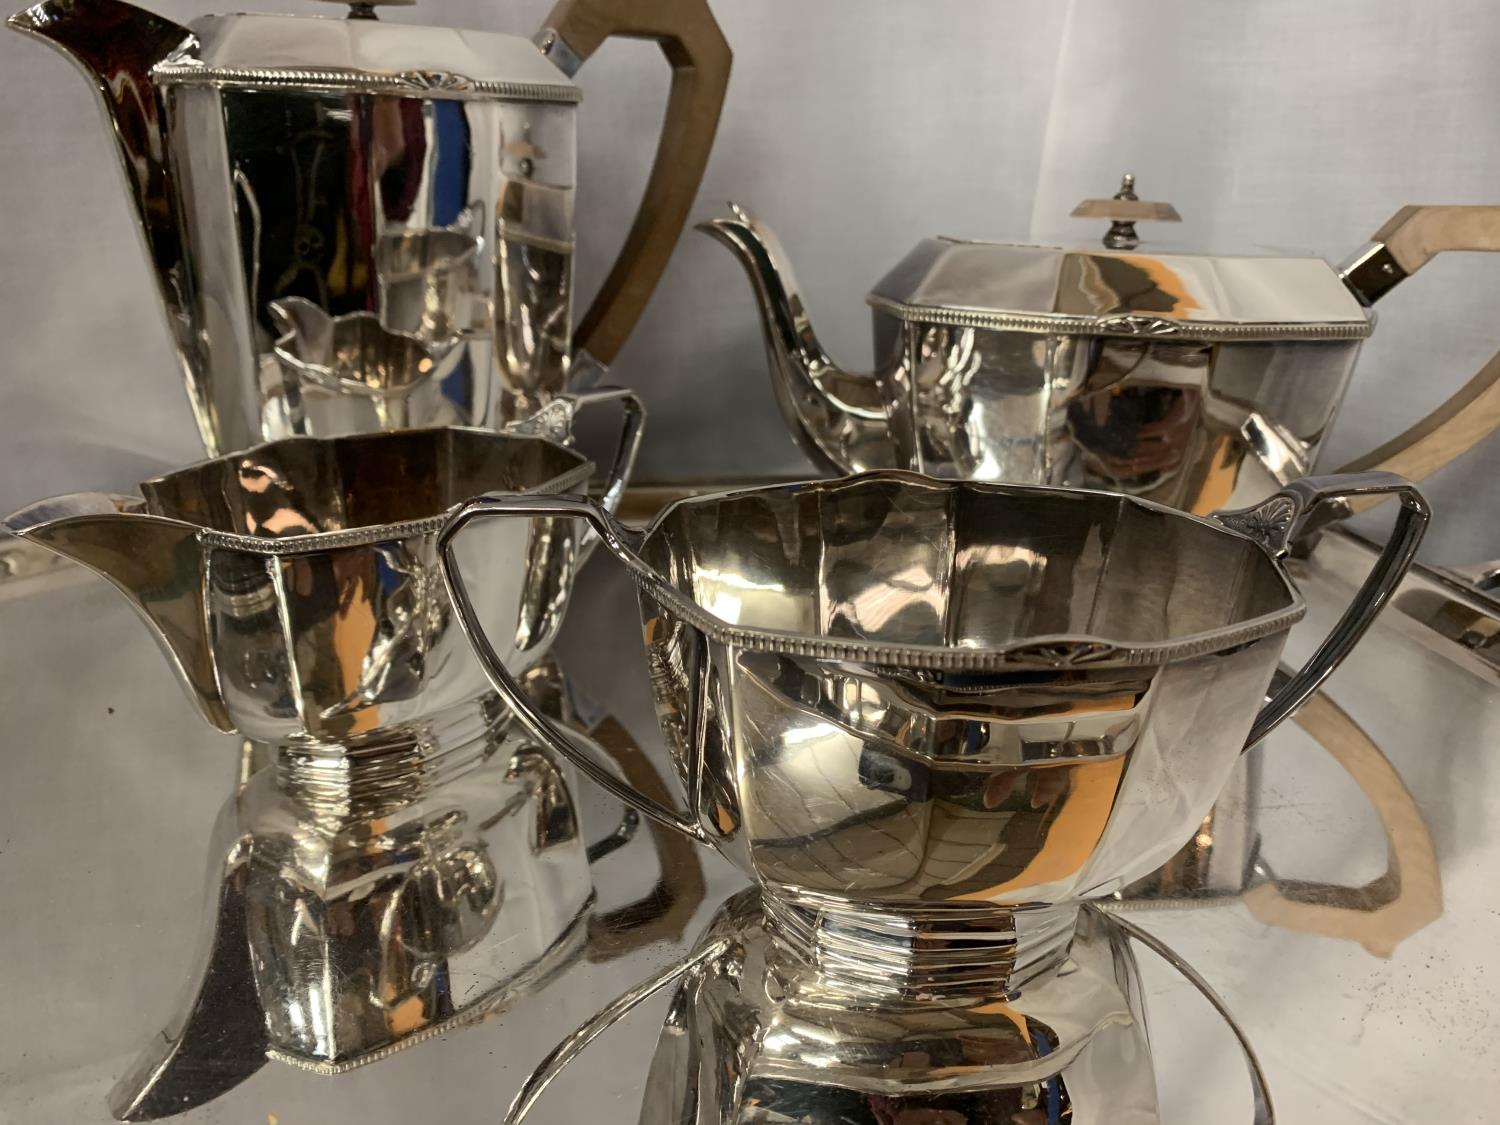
1411	238
621	542
700	58
1277	521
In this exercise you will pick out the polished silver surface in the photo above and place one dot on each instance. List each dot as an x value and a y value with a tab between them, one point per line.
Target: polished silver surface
1228	861
354	226
360	54
749	1037
1458	605
927	719
357	912
1157	375
900	632
104	855
294	587
1225	862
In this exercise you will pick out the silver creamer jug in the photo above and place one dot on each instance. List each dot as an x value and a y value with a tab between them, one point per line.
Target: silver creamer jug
357	225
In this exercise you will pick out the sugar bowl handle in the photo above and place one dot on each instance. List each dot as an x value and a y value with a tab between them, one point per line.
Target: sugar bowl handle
700	59
621	542
1410	239
1276	522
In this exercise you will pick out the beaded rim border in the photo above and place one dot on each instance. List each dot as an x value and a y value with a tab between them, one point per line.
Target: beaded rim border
429	83
1124	325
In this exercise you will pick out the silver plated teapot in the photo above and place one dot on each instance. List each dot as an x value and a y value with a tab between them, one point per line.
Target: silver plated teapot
1194	380
357	225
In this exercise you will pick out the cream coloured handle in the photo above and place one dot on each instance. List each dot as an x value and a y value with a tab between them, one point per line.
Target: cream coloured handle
1407	242
1386	911
1418	232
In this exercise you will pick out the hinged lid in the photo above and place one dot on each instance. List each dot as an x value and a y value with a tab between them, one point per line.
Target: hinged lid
1121	292
364	55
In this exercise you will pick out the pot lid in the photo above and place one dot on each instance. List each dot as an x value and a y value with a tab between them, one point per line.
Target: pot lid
362	54
1120	290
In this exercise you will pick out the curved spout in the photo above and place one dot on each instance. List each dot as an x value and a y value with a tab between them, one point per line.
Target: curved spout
116	45
839	417
155	562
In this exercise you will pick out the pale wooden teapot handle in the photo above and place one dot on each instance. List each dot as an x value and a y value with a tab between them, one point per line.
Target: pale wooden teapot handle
1386	911
700	59
1408	241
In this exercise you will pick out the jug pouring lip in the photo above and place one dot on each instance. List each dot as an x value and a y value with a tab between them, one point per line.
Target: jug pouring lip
31	519
309	343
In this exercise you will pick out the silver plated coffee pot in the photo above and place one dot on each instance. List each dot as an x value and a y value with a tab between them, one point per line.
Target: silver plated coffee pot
357	225
1194	380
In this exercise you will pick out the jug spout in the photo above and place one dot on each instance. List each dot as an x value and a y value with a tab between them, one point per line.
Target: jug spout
840	417
117	45
155	562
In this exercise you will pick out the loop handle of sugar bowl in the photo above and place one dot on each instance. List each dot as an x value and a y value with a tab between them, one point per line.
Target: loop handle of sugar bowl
1278	521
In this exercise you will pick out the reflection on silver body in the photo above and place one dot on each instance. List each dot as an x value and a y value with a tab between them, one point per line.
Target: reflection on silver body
353	917
295	586
1184	379
411	186
929	718
356	914
750	1038
1221	860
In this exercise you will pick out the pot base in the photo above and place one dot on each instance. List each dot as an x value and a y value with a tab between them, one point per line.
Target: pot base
763	1034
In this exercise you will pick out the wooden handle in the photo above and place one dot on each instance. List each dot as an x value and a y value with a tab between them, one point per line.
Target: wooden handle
700	59
1418	232
1413	236
1383	913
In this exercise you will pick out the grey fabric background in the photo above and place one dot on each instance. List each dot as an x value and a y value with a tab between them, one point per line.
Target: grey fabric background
855	127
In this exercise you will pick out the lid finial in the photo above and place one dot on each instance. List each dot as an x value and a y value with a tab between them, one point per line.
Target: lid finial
1124	210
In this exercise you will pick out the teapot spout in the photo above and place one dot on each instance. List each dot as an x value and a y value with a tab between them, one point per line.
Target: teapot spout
116	45
156	563
839	417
